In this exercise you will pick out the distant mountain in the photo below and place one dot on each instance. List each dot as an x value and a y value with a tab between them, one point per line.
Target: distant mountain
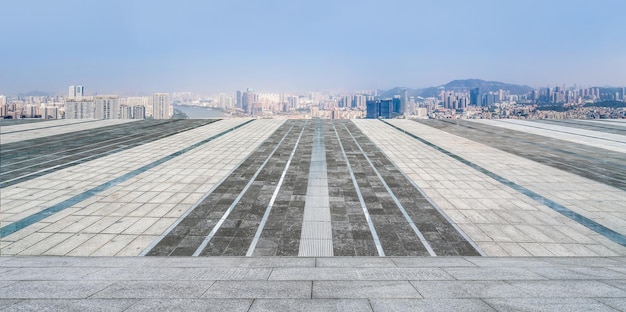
399	91
485	86
34	93
459	85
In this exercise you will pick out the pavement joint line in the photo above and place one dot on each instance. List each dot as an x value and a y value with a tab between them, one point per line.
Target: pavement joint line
81	152
395	199
443	214
574	124
51	154
562	131
36	217
219	223
370	224
75	123
266	215
588	223
104	129
110	152
190	210
95	156
315	206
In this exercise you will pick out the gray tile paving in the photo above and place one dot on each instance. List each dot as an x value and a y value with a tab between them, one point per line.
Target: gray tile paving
364	289
493	273
155	289
191	305
52	289
600	165
260	284
547	304
259	289
383	305
356	262
567	288
311	305
616	303
78	305
465	289
576	272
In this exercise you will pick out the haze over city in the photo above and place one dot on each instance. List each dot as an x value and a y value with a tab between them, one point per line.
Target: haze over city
135	47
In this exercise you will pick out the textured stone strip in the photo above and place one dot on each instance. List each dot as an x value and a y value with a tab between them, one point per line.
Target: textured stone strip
273	199
217	226
368	218
316	238
395	199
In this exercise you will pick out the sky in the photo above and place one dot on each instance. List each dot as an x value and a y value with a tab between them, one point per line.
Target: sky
207	46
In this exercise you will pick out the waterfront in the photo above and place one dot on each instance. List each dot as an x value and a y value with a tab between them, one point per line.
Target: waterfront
199	112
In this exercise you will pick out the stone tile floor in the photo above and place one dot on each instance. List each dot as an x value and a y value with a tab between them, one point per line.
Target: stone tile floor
312	284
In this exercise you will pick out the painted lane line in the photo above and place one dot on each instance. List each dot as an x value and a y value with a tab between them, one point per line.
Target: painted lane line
590	224
266	215
34	218
190	210
395	199
443	214
370	224
219	223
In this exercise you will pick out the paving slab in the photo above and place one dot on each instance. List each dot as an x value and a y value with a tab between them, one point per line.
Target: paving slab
154	289
466	289
259	289
77	305
429	305
364	289
52	289
547	304
191	305
567	288
311	305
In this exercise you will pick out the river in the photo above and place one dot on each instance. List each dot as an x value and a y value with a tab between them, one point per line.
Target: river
199	112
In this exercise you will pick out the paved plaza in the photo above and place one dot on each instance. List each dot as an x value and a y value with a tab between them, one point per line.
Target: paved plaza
262	214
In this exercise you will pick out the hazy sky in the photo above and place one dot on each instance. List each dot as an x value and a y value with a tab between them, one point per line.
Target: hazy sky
142	46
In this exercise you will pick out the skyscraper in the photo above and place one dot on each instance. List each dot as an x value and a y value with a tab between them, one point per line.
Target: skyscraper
161	108
475	96
80	92
239	97
404	101
71	93
247	100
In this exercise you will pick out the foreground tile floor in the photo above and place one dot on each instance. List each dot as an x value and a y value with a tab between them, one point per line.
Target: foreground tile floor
126	202
312	284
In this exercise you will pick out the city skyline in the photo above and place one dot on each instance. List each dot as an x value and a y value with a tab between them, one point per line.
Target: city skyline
142	47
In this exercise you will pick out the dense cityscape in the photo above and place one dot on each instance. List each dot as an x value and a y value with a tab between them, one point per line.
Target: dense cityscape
461	99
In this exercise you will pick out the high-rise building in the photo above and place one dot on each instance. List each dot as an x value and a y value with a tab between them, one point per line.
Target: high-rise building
71	93
80	92
238	102
387	108
475	96
107	107
161	108
247	100
404	101
79	110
